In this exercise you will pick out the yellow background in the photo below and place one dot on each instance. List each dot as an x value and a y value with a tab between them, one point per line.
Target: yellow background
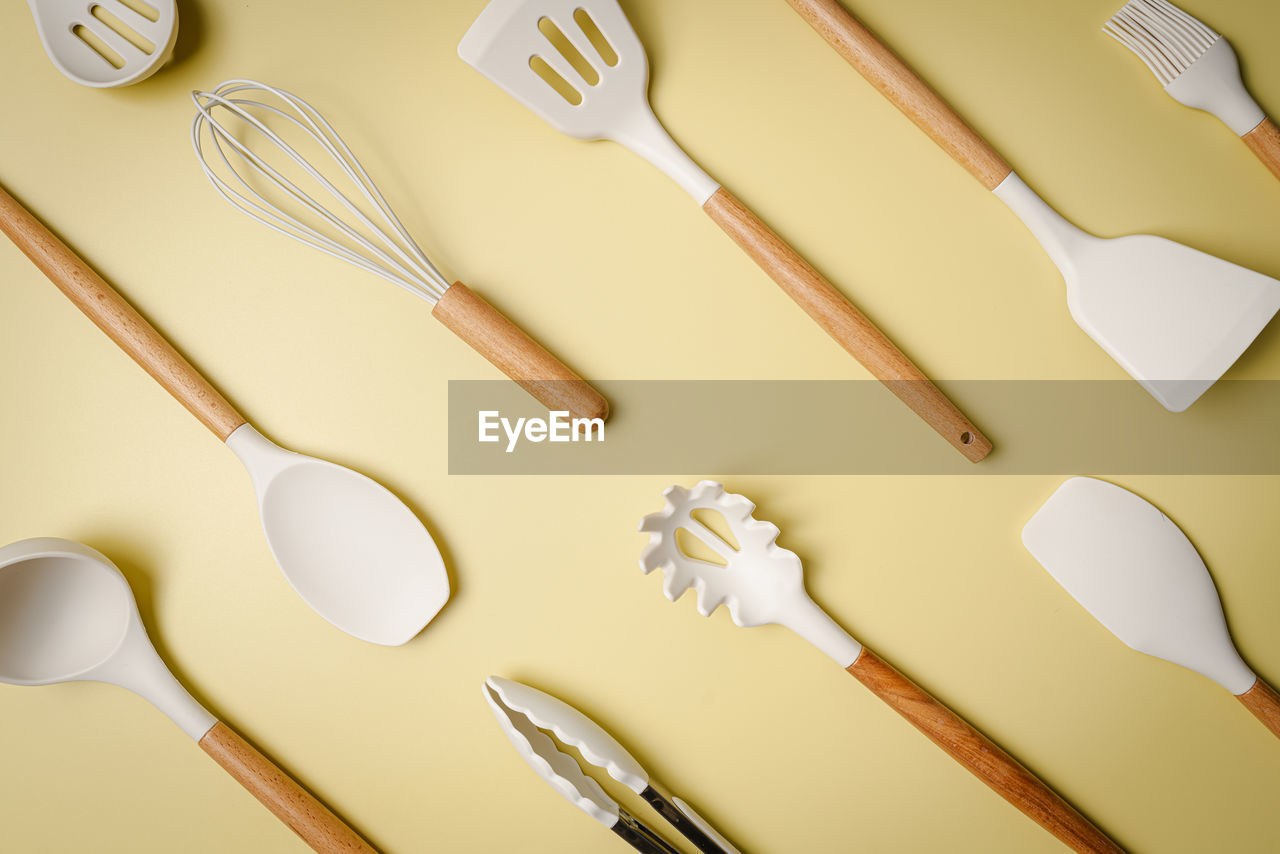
609	263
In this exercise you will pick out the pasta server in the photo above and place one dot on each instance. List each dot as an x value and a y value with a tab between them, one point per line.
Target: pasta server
580	67
523	713
1198	68
761	583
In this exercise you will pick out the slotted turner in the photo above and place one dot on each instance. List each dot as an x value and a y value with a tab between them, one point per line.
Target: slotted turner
1135	571
579	65
1175	319
107	43
761	583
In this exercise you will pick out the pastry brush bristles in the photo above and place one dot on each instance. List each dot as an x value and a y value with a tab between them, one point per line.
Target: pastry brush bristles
1163	36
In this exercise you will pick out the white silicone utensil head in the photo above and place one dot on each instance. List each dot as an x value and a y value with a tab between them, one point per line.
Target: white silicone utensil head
558	769
1136	572
107	43
1196	66
350	548
574	728
579	65
67	614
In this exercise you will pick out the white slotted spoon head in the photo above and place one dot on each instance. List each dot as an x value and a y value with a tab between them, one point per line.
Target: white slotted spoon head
107	43
580	66
757	580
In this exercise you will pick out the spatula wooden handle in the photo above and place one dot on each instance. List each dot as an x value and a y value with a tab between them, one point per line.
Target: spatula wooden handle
1264	141
123	325
1264	702
846	324
281	794
984	759
512	351
897	82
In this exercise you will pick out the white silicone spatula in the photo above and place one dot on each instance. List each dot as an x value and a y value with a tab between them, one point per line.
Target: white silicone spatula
107	43
352	550
1136	572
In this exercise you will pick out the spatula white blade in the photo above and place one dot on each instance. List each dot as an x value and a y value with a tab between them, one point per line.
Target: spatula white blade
1174	318
1136	572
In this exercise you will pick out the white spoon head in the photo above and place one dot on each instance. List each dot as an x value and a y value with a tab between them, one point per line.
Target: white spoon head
64	611
596	55
107	43
349	547
1136	572
757	580
1173	317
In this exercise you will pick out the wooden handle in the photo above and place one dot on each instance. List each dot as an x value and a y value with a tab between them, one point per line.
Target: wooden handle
517	355
897	82
984	759
843	322
123	325
281	794
1264	141
1264	702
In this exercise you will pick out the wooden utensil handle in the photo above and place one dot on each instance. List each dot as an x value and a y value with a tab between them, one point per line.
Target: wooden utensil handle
845	323
984	759
1264	702
897	82
517	355
1264	141
281	794
123	325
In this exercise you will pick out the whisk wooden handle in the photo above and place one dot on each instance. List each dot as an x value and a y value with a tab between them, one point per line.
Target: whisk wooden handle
517	355
846	324
280	793
1264	141
897	82
123	325
984	759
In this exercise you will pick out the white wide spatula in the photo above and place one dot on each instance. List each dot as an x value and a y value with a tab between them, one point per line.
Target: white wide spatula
761	583
107	43
1136	572
579	65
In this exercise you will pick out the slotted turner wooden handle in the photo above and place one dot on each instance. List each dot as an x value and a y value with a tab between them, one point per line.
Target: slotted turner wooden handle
281	794
897	82
1264	702
846	324
1264	141
119	320
984	759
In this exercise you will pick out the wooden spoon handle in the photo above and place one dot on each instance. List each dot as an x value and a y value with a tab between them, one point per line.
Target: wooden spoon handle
123	325
984	759
897	82
846	324
1264	141
281	794
513	352
1264	702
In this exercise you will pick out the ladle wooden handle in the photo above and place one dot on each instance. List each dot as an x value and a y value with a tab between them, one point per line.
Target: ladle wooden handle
1264	141
280	793
510	349
897	82
846	324
122	323
1264	702
984	759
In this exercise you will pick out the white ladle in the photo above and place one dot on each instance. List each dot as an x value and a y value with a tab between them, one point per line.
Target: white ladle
352	550
68	615
107	43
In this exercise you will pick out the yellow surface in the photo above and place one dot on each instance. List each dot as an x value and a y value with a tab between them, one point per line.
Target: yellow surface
610	264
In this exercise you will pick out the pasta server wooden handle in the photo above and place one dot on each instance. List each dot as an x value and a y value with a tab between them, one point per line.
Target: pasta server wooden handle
846	324
122	323
1264	702
281	794
1264	141
897	82
984	759
512	351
